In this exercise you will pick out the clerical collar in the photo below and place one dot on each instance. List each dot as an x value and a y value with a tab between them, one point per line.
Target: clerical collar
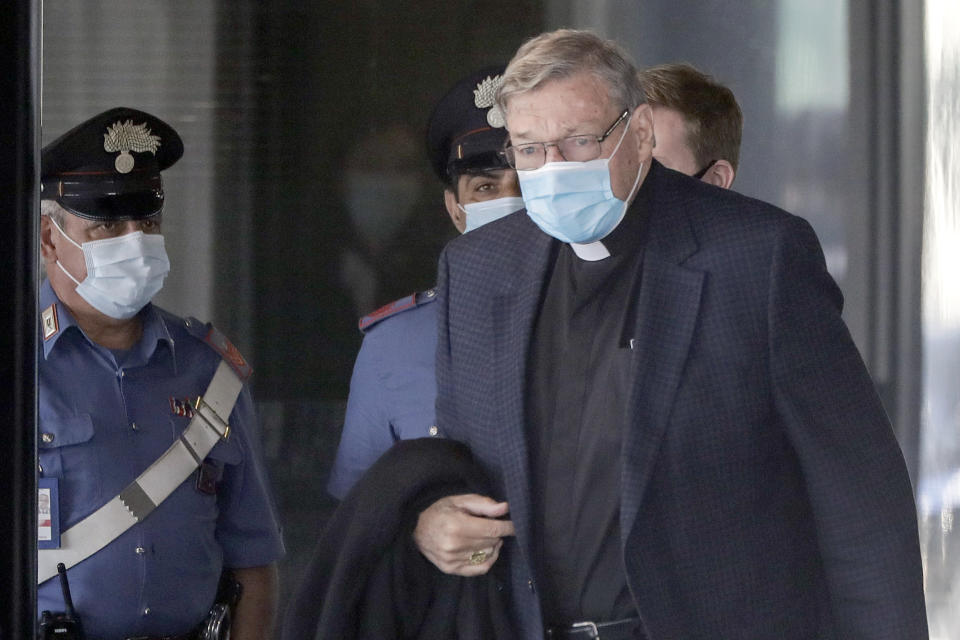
591	252
627	235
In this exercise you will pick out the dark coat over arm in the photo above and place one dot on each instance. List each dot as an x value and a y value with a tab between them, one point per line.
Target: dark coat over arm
367	579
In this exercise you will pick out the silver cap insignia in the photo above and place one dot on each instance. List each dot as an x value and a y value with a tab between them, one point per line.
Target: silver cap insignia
484	97
126	137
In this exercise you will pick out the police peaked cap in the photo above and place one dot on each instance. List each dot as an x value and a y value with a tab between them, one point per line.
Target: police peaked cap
466	131
108	168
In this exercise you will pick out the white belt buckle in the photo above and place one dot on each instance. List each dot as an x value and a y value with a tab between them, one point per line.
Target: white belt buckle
212	418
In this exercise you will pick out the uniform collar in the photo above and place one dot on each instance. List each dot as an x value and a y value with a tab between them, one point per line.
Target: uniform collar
56	321
155	332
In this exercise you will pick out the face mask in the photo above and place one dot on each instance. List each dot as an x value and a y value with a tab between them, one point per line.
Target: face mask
699	174
123	273
573	201
480	213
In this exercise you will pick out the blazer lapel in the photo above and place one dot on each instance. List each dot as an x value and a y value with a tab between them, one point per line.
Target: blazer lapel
514	314
665	320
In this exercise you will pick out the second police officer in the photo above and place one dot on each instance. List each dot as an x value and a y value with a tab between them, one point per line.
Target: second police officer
393	389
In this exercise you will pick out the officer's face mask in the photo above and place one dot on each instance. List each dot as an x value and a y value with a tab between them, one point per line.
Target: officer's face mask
123	273
480	213
574	201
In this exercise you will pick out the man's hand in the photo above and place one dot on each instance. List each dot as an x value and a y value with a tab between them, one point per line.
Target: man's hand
459	534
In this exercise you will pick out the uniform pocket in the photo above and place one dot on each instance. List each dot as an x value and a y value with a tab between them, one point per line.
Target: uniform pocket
64	451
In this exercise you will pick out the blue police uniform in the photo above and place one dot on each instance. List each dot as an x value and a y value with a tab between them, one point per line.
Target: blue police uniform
392	389
104	417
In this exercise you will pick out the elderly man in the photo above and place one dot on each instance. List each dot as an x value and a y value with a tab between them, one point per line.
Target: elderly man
697	123
656	377
393	388
160	497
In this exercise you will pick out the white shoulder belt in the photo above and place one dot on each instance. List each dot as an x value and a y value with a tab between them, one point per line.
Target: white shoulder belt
141	497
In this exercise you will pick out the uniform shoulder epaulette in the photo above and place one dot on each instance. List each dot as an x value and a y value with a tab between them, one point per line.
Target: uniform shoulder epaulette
221	344
412	301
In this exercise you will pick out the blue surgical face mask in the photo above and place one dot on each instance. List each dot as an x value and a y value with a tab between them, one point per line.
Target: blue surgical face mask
123	273
480	213
574	201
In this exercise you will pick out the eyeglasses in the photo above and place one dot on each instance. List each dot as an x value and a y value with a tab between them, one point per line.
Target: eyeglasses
532	155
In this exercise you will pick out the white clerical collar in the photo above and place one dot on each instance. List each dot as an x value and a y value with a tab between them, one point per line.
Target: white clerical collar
591	251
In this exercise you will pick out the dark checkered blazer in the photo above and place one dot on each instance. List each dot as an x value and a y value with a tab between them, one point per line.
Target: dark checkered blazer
763	493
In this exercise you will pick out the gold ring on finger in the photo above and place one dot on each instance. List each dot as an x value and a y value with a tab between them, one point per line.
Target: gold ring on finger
478	557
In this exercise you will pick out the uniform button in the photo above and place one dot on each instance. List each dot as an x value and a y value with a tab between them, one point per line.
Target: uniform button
123	373
530	585
431	293
434	430
39	467
47	437
140	551
146	611
188	322
133	425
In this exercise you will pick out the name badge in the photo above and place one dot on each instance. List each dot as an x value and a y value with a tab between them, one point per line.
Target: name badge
48	513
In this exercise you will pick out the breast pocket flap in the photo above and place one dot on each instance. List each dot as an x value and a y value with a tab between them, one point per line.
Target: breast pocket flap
63	431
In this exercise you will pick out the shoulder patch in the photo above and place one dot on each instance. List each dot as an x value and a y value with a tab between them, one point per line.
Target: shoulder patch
219	343
412	301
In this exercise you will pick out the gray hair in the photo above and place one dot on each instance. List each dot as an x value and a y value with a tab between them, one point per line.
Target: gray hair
563	53
54	211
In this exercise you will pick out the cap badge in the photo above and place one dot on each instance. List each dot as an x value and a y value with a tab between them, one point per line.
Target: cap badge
484	97
126	137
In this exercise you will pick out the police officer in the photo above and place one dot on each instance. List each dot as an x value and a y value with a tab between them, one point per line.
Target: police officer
153	497
392	390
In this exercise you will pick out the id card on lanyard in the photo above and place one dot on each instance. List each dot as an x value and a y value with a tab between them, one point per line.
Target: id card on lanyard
48	513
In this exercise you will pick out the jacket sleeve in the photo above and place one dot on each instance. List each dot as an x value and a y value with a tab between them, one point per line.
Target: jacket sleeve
247	526
366	432
854	472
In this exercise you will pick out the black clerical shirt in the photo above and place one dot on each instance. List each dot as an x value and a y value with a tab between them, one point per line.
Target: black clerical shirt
577	395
